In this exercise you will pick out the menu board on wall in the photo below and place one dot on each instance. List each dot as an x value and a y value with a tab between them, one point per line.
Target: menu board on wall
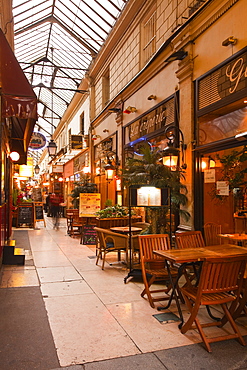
89	204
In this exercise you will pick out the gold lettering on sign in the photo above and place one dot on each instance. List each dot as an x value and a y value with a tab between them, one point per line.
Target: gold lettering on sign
235	73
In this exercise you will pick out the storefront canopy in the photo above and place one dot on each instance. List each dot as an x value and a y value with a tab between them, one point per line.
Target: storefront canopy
18	101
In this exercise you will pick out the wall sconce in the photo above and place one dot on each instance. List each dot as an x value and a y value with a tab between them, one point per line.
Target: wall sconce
52	148
95	137
130	110
170	154
105	130
229	41
60	179
110	167
14	156
36	169
211	163
152	97
178	55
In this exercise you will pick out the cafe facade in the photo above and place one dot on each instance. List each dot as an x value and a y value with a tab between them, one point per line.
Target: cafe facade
221	133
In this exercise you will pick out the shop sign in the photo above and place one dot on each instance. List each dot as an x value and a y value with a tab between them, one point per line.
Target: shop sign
75	142
38	141
224	81
151	121
26	170
57	169
79	163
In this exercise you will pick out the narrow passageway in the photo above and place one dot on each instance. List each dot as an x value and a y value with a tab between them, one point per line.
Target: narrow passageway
86	314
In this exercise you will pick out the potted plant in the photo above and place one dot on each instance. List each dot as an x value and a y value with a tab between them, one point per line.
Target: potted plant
115	215
82	186
148	170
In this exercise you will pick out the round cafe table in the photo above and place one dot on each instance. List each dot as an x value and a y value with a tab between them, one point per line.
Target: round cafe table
126	229
239	238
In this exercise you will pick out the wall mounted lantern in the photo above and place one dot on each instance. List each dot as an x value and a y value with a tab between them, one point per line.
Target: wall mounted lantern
110	167
52	148
171	154
36	169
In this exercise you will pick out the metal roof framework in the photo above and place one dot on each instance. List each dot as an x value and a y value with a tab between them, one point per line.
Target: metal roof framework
55	42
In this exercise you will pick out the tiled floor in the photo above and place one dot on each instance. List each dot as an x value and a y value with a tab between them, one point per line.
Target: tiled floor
93	315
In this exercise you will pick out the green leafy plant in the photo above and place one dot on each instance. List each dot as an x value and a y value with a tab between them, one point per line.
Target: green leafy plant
234	170
82	186
149	170
113	211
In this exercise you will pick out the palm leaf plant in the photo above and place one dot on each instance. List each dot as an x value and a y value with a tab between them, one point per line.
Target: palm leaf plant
82	186
149	170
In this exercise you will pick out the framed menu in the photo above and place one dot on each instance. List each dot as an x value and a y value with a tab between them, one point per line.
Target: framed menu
89	204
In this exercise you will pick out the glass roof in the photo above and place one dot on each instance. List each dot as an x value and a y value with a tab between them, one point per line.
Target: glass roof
55	41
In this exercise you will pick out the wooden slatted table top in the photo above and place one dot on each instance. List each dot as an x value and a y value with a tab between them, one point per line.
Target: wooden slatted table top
198	254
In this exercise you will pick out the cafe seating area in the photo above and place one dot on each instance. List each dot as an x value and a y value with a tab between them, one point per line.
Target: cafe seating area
77	293
196	274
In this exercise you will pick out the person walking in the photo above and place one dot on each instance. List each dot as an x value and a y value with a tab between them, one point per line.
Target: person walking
55	200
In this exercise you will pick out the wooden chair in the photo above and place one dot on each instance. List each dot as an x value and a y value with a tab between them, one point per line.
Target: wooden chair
69	218
189	239
76	224
109	241
211	230
153	266
241	309
218	277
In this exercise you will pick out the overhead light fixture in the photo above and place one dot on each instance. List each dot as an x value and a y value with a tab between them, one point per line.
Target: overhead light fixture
178	55
170	154
130	110
114	110
15	156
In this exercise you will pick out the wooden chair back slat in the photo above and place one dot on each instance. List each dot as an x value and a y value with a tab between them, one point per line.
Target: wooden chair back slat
189	239
149	243
211	232
221	275
153	266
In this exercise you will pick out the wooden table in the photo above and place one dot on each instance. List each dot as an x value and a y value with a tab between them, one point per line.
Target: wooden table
126	229
186	257
239	238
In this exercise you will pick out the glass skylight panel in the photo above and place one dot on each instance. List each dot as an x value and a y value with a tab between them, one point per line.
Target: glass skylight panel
88	20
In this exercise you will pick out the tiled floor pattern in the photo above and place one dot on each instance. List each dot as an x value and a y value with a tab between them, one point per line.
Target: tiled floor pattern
93	315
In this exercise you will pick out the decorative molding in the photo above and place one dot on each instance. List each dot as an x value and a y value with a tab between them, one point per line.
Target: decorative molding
214	18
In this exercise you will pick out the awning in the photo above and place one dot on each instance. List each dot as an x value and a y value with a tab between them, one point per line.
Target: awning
18	101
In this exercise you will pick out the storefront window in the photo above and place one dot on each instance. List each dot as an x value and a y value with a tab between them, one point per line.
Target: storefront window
225	187
219	128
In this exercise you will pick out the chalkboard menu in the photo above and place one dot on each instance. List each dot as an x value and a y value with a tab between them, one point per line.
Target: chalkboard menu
25	214
38	212
89	235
